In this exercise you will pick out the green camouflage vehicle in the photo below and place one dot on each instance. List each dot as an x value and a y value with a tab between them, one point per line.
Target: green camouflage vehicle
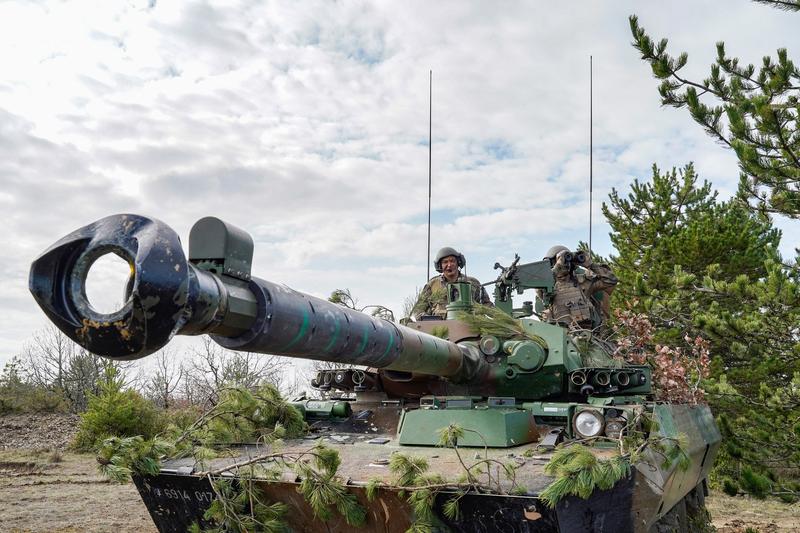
514	394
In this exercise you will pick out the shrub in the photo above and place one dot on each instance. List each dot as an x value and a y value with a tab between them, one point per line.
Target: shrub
756	484
730	487
19	396
6	405
116	412
26	398
182	417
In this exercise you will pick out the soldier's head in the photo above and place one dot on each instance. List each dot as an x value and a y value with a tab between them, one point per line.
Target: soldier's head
553	252
448	262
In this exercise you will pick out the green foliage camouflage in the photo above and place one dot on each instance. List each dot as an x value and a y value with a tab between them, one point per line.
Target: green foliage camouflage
324	490
119	457
486	320
579	471
244	415
241	415
420	488
343	297
241	507
441	331
429	300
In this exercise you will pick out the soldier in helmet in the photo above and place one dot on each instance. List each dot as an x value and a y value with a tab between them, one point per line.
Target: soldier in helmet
582	289
433	298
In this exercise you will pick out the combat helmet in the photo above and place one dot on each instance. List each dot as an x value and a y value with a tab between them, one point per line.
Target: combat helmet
445	252
554	251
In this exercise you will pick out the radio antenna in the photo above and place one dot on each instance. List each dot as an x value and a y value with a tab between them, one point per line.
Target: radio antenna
430	131
590	156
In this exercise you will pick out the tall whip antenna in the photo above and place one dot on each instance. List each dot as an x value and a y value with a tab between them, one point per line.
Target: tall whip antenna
430	131
590	156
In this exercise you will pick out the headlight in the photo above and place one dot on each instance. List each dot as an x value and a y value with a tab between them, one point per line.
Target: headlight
589	423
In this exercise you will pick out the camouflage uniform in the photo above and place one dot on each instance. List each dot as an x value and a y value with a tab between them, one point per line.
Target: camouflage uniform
433	298
581	297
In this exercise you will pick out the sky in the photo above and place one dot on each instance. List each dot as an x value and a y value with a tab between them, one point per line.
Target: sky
306	124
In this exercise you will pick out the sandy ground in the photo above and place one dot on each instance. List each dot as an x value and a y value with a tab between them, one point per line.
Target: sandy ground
39	493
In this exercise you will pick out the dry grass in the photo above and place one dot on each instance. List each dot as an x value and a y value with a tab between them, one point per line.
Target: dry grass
55	456
44	491
737	514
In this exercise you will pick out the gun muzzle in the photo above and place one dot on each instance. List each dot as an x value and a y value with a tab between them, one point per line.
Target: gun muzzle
164	295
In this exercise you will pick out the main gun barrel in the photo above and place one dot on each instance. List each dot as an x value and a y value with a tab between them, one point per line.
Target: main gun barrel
167	295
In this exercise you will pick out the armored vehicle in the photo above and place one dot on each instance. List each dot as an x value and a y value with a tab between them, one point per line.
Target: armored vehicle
517	393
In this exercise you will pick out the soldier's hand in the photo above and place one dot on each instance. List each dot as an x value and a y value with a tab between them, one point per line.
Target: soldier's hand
561	258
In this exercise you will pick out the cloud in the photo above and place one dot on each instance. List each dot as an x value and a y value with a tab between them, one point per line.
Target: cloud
307	125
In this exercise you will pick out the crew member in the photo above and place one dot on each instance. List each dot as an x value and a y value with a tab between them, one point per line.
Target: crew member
433	298
582	289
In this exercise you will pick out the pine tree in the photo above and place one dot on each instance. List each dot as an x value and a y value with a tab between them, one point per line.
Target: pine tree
752	111
756	390
752	317
698	266
787	5
672	219
671	235
674	223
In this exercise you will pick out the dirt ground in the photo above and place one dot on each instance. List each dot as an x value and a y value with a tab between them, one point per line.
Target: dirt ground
736	514
39	495
46	489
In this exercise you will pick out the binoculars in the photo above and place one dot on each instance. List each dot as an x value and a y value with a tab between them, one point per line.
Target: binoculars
577	258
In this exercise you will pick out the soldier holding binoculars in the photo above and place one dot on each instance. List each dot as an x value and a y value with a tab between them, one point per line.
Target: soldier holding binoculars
582	289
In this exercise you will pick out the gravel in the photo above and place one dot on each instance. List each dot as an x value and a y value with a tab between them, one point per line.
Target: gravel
38	431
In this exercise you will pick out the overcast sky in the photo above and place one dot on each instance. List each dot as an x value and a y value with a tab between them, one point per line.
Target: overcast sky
306	123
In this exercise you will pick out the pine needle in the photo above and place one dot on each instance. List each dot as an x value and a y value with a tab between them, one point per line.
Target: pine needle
441	331
451	508
450	435
372	487
579	472
485	321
